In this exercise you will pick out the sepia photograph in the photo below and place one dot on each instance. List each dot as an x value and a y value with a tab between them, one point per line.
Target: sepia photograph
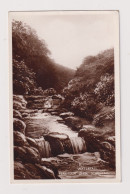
64	96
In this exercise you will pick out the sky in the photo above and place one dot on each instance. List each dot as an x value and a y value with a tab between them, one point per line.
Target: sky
72	36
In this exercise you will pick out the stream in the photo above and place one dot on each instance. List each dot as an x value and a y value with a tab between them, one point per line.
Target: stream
76	164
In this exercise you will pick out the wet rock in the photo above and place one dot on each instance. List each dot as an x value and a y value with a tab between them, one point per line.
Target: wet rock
107	153
95	139
54	113
25	114
17	114
51	166
92	137
32	171
32	155
20	172
35	171
61	121
17	106
74	122
89	127
56	146
32	142
49	174
19	153
66	114
26	154
56	135
56	142
19	139
67	146
111	140
60	143
20	99
19	125
29	111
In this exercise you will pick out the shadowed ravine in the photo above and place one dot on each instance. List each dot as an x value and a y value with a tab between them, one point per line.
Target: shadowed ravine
77	163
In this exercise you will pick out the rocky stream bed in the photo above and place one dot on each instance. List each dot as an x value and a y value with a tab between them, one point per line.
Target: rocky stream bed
55	144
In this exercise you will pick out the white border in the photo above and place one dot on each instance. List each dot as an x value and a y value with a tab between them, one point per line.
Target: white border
117	97
25	5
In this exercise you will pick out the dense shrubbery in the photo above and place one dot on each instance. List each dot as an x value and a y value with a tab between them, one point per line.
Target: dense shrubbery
24	79
85	106
93	85
104	90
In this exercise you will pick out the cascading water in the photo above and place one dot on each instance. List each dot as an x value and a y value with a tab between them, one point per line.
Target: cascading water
44	147
62	146
78	145
61	139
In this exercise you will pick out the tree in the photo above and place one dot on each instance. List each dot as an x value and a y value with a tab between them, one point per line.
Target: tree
33	51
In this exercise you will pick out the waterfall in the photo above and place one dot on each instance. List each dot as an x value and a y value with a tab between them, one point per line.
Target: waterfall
44	147
78	145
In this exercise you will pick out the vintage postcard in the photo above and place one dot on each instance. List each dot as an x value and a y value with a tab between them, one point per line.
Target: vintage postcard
64	96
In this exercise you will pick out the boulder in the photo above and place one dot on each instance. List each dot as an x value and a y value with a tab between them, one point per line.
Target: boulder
20	99
56	142
19	139
26	154
19	153
96	141
48	173
67	146
66	114
32	142
17	114
25	114
20	172
32	155
51	166
93	138
32	171
35	171
107	153
89	127
56	135
17	106
19	125
111	140
54	113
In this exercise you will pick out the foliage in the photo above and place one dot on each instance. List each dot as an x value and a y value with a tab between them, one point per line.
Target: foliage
28	47
84	105
104	90
24	79
93	85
